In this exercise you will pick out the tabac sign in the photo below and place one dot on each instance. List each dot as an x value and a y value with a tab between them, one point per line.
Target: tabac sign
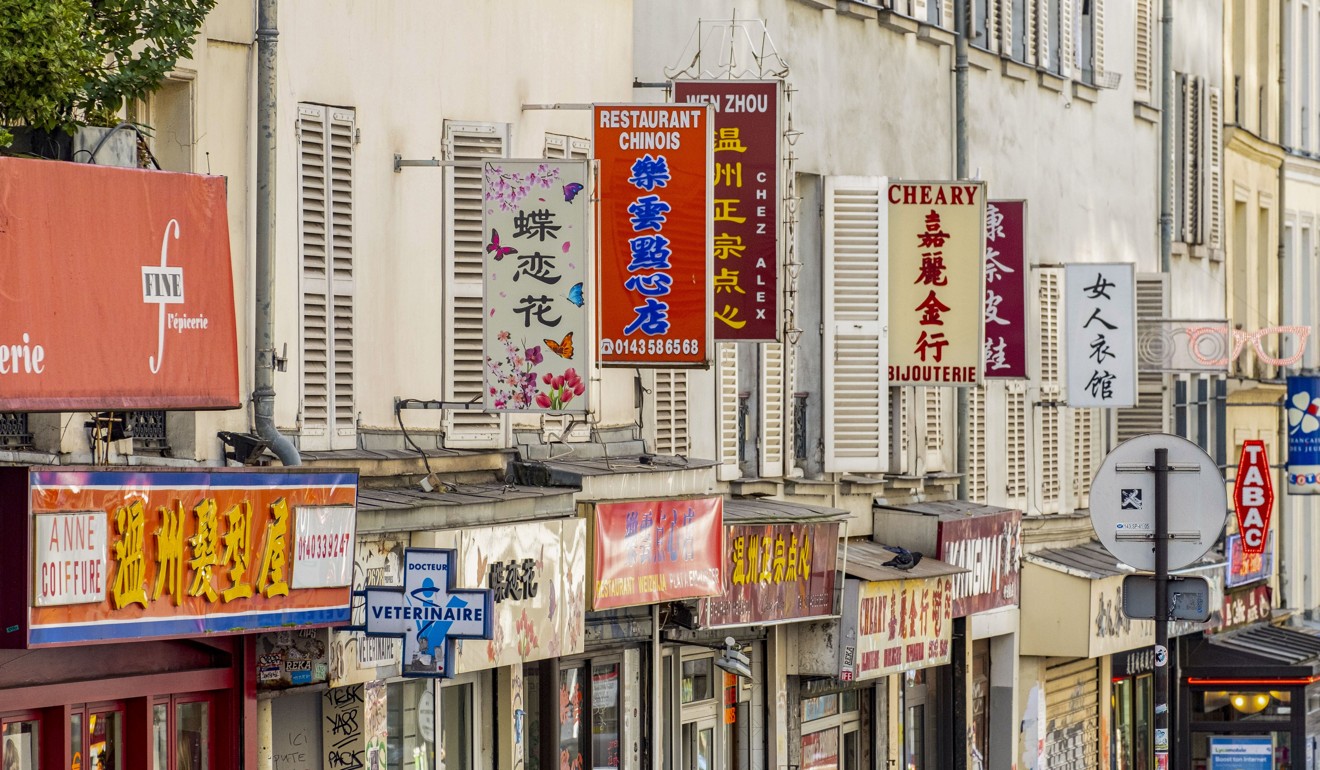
428	612
119	555
1253	496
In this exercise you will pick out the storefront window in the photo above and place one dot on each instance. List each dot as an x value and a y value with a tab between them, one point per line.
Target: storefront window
605	738
104	741
160	732
21	745
833	730
76	740
820	750
1142	714
980	703
698	684
456	730
1241	705
571	682
191	727
1123	724
410	730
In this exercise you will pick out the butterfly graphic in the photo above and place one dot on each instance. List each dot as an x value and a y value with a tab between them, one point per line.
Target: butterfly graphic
575	294
562	349
495	248
571	190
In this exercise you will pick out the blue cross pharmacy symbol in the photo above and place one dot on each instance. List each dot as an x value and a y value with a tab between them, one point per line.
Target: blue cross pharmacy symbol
428	612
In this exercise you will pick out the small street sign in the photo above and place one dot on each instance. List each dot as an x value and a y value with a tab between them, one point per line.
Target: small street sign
1189	598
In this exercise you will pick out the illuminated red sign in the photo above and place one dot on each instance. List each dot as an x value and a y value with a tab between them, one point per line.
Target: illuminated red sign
1253	496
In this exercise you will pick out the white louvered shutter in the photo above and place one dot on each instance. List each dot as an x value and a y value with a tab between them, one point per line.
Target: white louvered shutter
1006	23
1044	53
325	244
1017	460
773	408
1030	23
726	381
919	9
1085	440
666	413
1191	159
933	410
1143	71
946	14
1151	413
900	429
1098	40
856	312
1065	26
469	143
1047	449
977	456
1214	193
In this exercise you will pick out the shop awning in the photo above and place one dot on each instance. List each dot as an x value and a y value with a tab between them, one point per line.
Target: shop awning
864	559
408	509
1259	651
760	510
1072	602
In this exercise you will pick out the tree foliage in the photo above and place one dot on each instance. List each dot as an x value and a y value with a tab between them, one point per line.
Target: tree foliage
65	63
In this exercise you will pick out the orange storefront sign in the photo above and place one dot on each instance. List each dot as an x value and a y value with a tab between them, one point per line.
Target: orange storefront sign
116	289
654	218
119	555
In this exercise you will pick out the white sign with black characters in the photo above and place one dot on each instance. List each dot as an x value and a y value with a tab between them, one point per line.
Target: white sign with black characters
1100	335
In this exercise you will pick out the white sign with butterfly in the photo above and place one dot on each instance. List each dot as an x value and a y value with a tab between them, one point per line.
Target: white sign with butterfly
535	259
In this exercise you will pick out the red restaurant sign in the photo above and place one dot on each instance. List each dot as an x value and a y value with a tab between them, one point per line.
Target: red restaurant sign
1006	289
653	551
117	289
773	573
746	218
1253	496
990	547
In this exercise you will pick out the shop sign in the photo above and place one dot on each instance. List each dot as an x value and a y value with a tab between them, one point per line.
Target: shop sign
291	658
118	289
1303	409
1241	752
1006	289
1243	567
121	555
890	626
1244	607
1253	496
1111	630
990	547
652	551
746	182
655	221
535	284
936	283
354	656
1100	332
775	573
1134	662
430	613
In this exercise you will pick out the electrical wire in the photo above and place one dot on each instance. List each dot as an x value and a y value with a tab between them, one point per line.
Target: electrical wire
398	415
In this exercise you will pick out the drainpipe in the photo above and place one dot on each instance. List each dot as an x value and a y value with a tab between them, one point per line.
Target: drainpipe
1166	138
263	375
960	25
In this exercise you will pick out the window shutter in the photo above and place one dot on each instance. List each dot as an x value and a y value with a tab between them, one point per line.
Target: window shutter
1006	22
1084	442
727	381
1097	40
1143	67
667	418
919	9
934	424
1015	488
1030	23
1191	159
1048	445
325	242
1044	57
559	146
1065	22
773	397
470	143
1150	415
1214	194
946	15
900	430
856	311
977	478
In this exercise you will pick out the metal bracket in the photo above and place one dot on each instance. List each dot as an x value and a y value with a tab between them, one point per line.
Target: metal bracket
475	405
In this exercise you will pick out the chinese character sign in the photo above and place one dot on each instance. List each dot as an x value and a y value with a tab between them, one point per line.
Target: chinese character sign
653	551
1303	409
120	556
1100	335
890	626
936	271
654	224
774	573
535	230
1006	289
746	197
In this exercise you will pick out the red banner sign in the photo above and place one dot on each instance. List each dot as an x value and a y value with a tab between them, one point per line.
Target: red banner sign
657	551
746	179
990	546
654	222
117	289
1244	607
1253	496
773	573
119	555
1006	289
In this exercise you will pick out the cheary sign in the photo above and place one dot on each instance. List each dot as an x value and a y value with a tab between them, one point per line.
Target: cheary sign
428	612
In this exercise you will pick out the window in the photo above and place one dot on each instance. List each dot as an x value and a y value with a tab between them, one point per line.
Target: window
1088	37
172	123
1015	21
15	435
22	745
1056	26
456	734
982	28
325	245
410	725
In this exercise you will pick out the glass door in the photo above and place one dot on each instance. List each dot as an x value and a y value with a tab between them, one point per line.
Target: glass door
105	743
21	745
698	744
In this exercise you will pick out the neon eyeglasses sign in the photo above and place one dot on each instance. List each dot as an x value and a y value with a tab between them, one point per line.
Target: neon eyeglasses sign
1213	335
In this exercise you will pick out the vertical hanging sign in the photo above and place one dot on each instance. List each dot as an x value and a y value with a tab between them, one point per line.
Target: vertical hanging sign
1304	435
1100	335
1253	496
746	202
654	245
936	272
1006	289
534	225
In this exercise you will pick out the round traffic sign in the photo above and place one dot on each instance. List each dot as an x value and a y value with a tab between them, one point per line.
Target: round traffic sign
1123	501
